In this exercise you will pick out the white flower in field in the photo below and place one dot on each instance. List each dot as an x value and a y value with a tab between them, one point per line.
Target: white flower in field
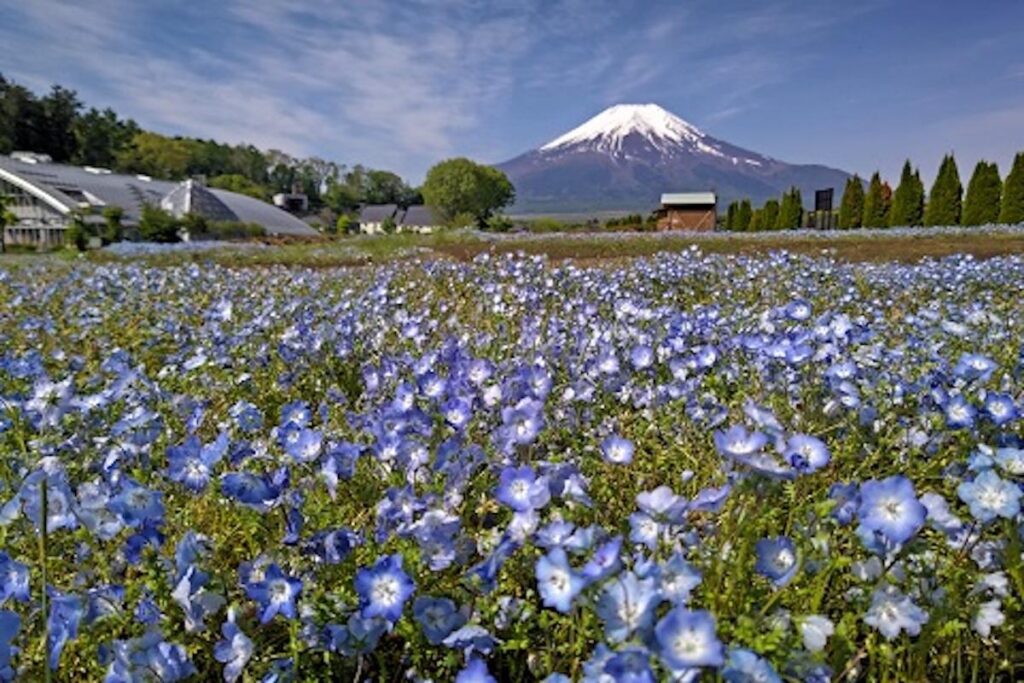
815	631
988	616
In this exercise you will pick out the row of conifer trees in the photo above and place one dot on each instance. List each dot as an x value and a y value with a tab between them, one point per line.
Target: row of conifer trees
988	199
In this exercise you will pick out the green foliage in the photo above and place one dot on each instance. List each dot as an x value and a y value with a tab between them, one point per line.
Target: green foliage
112	229
1012	210
981	203
388	226
347	224
877	203
908	201
791	210
157	225
744	214
236	182
730	216
770	215
460	186
944	200
851	208
757	220
77	233
633	221
56	125
499	223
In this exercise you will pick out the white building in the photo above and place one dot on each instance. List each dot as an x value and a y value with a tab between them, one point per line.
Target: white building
46	195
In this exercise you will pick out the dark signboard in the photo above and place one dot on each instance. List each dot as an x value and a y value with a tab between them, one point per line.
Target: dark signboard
823	200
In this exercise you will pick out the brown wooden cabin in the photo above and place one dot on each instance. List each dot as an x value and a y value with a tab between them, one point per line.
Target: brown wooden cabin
695	211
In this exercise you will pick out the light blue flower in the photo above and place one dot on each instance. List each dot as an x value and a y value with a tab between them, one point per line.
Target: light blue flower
687	639
776	559
384	588
627	605
892	612
990	496
557	582
891	508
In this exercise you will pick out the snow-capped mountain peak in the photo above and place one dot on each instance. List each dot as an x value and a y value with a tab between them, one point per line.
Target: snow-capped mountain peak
607	130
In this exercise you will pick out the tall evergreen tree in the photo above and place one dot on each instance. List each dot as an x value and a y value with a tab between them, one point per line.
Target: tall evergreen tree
730	216
851	207
756	219
744	213
790	210
981	203
875	208
944	201
1012	210
908	201
770	215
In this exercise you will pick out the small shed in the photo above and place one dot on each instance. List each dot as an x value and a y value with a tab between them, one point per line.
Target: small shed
694	211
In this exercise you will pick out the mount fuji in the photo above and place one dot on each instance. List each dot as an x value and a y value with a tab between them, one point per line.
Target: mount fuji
628	155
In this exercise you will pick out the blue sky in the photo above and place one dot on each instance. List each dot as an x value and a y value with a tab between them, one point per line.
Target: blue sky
402	84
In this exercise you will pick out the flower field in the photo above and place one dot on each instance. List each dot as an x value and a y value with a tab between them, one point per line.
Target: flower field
683	467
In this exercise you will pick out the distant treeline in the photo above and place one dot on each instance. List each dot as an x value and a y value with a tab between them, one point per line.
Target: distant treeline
58	124
988	199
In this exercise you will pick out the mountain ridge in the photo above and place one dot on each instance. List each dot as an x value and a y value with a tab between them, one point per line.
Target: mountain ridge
627	155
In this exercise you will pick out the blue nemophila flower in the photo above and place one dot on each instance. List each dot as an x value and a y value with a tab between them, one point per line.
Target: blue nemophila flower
384	588
959	413
234	651
663	504
806	453
1000	408
195	599
815	631
191	463
644	530
475	671
1011	460
687	639
989	616
890	507
676	579
974	366
847	499
149	656
617	450
641	356
604	562
892	612
471	638
66	612
521	489
990	496
627	605
776	560
276	593
630	665
557	582
296	413
438	617
136	504
13	579
247	416
10	624
301	443
745	666
259	492
737	442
